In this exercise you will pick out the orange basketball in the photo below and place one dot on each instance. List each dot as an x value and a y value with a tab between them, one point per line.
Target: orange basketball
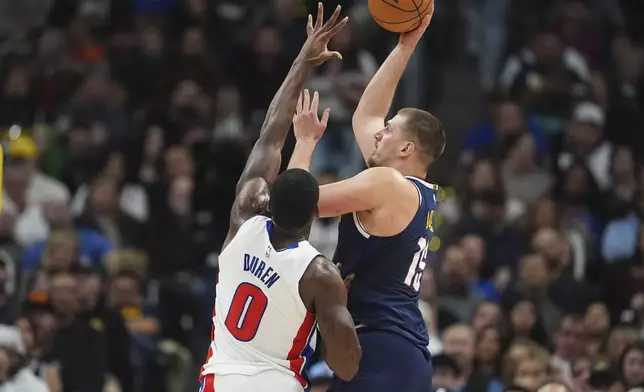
399	16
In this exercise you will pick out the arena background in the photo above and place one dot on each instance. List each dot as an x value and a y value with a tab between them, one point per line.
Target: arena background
132	119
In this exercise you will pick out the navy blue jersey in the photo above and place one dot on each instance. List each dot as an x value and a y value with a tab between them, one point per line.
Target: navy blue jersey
384	292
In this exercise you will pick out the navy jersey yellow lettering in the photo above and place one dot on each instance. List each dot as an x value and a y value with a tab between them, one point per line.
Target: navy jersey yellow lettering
384	292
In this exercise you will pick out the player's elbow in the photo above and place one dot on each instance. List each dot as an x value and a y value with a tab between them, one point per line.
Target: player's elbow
359	120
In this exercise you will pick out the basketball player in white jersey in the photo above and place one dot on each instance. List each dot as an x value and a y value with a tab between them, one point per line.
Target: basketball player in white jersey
274	287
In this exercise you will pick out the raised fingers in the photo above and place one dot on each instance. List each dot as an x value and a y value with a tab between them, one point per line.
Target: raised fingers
320	19
335	29
315	102
325	117
331	22
309	25
307	100
298	107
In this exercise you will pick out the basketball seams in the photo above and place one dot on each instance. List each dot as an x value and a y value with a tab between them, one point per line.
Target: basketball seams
419	15
395	6
395	23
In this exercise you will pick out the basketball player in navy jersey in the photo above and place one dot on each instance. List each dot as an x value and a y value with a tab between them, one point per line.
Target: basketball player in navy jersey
386	225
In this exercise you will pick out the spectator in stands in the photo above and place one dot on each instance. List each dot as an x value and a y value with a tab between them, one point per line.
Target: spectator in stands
516	351
631	368
564	271
438	316
596	327
94	308
624	95
584	144
487	315
526	180
447	374
524	322
26	190
132	198
546	76
455	290
460	343
508	122
105	215
151	166
532	284
569	343
90	246
79	344
531	370
473	247
125	298
487	218
619	339
17	106
488	352
619	240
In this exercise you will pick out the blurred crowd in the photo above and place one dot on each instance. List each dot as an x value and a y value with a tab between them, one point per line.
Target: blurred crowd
126	123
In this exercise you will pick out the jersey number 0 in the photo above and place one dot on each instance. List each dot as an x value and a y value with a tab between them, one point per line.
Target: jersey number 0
246	312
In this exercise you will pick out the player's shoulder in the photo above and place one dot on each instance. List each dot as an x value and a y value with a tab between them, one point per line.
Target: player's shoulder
320	271
251	227
320	278
385	176
255	221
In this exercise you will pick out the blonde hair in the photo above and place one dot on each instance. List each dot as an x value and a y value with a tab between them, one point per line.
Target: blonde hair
59	237
132	260
513	356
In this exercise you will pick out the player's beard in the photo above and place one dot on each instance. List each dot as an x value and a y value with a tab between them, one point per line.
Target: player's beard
371	161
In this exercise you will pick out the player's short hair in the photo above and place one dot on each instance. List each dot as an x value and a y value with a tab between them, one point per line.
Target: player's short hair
427	130
294	199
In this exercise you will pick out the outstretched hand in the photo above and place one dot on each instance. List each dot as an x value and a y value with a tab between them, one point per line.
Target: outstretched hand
319	35
411	38
306	123
348	279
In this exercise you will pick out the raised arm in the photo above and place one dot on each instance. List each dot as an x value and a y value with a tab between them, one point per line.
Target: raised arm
264	161
376	100
325	294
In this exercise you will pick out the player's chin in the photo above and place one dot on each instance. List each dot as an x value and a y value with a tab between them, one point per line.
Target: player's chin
372	162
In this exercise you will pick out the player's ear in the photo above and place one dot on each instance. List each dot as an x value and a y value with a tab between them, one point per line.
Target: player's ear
407	149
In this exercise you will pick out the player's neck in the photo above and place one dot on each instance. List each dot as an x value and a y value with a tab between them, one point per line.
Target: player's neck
409	170
282	239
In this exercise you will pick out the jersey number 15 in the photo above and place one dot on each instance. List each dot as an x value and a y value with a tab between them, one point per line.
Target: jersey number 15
418	263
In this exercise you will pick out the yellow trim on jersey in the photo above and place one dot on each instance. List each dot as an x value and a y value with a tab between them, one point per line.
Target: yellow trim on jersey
430	221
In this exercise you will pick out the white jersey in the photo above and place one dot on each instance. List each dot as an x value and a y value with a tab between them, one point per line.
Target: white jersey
260	322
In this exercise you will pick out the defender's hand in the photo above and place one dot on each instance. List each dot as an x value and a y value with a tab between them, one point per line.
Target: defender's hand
411	38
307	126
348	279
320	34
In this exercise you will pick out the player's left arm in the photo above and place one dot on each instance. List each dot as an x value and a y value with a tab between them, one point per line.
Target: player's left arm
366	191
265	158
324	293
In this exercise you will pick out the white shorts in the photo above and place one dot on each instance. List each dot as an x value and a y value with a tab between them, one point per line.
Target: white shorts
267	381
